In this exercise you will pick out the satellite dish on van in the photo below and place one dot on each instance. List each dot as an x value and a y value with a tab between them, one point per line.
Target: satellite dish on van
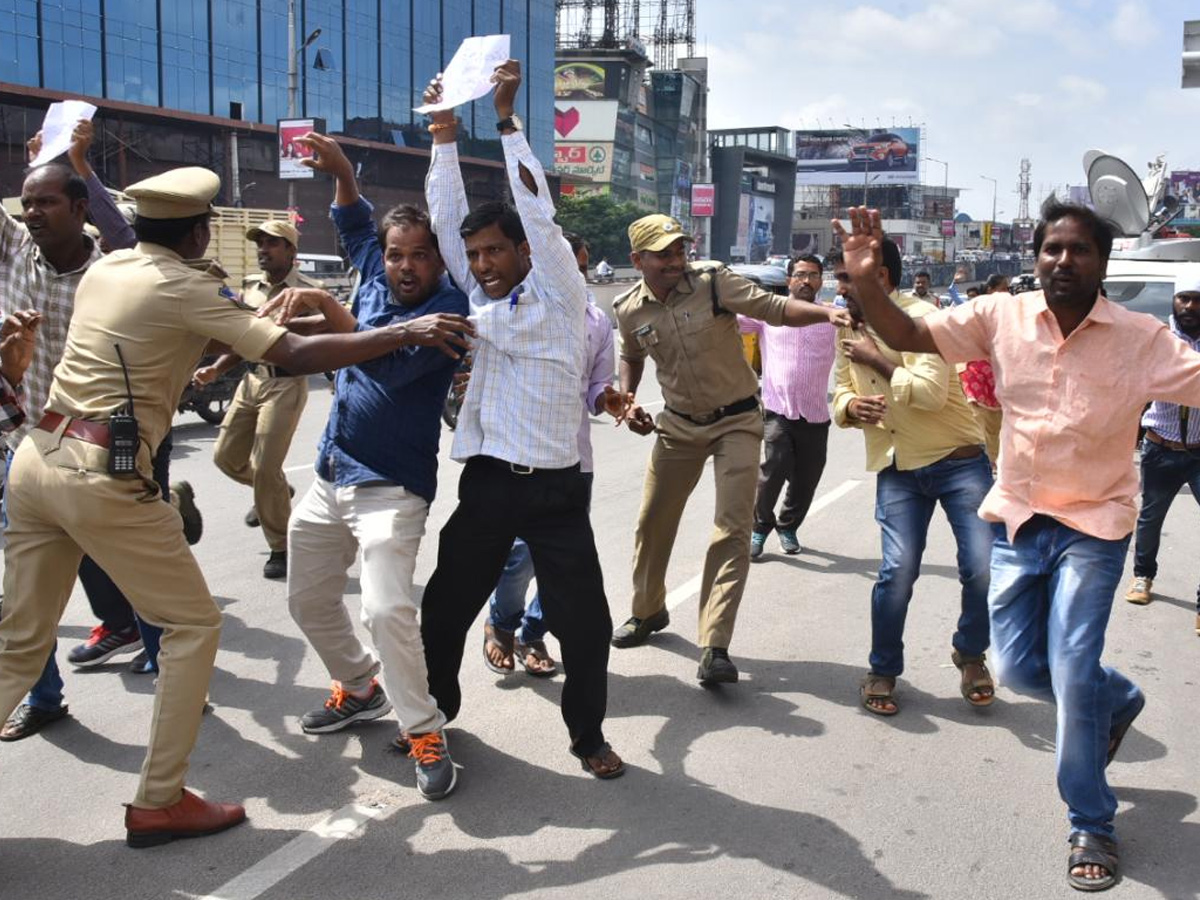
1117	193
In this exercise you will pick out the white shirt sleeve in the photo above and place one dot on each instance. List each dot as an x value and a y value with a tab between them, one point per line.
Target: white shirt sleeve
447	199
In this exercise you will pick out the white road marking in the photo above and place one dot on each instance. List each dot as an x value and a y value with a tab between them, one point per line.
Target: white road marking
346	822
688	589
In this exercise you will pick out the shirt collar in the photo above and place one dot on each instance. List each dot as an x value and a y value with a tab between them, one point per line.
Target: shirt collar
93	255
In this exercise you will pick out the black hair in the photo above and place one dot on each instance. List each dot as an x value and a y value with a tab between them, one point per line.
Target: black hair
806	258
833	258
891	261
922	274
73	186
1053	210
973	288
403	215
993	280
494	212
577	243
166	232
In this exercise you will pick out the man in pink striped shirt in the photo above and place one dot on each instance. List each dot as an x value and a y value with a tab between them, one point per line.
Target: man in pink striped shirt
795	381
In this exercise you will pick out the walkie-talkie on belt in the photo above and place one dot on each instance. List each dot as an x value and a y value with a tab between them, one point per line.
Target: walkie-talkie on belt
123	431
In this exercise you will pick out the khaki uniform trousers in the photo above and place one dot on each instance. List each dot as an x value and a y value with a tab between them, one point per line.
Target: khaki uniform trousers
57	512
676	464
990	421
255	437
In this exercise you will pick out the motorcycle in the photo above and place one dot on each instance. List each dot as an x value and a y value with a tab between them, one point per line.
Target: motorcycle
211	401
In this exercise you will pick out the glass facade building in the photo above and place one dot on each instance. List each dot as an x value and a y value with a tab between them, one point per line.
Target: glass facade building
229	59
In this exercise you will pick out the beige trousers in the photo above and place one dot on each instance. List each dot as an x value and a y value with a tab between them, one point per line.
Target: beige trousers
676	464
254	442
57	511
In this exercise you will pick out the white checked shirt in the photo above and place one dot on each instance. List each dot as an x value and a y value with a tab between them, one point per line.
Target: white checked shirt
28	281
530	355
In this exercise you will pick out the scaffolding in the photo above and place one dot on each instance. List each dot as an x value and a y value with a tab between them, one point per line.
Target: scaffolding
663	30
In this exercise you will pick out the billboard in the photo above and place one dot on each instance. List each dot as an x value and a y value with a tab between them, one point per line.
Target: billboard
589	160
291	152
762	228
579	81
704	200
585	120
848	155
1186	186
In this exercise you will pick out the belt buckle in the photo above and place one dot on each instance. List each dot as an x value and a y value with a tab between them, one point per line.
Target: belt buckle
518	469
706	418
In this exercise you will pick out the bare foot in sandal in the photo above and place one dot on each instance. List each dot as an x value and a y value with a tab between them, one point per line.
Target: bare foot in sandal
977	686
498	649
604	764
876	691
535	658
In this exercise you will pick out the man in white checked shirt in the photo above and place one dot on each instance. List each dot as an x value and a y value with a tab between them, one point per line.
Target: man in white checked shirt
517	431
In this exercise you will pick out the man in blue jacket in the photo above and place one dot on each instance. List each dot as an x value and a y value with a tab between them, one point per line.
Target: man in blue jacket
376	476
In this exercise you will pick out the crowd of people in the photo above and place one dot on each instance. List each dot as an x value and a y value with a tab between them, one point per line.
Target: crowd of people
996	409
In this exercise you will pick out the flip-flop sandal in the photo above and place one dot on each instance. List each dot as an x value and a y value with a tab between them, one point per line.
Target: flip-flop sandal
1089	849
878	687
502	641
984	684
1117	732
537	649
599	755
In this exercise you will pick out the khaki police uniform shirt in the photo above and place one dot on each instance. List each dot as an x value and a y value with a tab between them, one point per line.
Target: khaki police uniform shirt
927	413
257	289
697	351
162	311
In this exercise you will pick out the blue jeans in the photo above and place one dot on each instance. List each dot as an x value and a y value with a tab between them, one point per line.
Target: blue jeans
1052	591
1164	472
904	504
507	610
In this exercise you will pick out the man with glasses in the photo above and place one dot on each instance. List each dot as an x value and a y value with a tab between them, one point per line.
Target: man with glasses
795	378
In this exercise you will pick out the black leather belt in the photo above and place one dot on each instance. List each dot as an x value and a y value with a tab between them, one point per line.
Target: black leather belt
719	413
517	468
266	370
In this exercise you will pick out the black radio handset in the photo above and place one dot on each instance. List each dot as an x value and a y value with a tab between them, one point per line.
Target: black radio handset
123	431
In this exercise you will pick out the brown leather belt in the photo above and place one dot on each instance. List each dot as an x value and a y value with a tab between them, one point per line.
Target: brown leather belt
80	429
969	452
1155	438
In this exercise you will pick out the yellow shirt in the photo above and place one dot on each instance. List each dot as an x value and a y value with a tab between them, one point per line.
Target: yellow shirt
697	350
161	310
927	415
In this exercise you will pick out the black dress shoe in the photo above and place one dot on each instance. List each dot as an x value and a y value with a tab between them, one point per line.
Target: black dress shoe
276	566
29	720
635	631
716	667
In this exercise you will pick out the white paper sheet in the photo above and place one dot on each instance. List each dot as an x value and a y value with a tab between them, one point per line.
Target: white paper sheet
468	77
57	127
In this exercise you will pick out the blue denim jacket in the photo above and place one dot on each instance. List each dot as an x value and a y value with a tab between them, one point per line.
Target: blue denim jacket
386	417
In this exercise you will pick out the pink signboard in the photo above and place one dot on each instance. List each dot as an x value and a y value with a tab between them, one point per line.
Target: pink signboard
704	200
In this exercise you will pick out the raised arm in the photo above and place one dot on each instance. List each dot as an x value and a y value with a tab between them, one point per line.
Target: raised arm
115	230
445	192
862	249
351	213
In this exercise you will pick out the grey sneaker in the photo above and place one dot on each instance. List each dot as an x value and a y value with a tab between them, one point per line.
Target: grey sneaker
788	541
635	631
716	667
436	776
757	542
343	709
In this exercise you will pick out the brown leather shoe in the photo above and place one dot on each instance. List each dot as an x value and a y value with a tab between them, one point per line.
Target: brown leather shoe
190	817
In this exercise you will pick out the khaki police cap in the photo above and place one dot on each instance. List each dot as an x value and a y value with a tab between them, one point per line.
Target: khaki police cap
177	194
656	232
275	228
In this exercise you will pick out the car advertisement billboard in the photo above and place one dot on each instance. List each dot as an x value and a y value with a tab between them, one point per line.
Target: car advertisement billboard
585	120
1186	186
590	160
848	155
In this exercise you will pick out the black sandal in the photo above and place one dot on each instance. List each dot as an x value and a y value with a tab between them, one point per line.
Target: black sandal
1088	849
599	755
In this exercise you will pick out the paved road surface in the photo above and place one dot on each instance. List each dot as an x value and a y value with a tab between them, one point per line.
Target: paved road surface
779	787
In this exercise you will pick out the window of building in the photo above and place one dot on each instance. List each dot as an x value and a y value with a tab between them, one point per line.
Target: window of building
323	89
70	46
185	58
235	56
396	63
131	42
19	44
362	59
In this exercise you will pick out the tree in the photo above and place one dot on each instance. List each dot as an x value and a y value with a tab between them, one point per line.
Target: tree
602	222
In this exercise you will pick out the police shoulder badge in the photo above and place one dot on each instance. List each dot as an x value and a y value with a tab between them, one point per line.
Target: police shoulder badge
227	292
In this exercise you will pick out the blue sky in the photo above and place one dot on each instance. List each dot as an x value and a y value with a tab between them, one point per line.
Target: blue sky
991	81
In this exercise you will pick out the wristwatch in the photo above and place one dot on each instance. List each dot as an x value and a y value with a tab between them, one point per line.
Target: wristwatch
514	122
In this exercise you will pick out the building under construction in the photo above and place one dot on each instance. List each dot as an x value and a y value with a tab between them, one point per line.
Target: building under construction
665	30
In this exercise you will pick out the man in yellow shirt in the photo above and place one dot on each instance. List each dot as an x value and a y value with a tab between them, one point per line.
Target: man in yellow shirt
926	446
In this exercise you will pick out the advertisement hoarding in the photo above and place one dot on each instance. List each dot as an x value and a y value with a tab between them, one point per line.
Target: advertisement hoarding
589	160
585	120
704	200
947	228
762	227
1186	186
579	81
847	155
291	152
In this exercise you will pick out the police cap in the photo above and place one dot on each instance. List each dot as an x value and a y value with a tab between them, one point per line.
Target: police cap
176	194
275	228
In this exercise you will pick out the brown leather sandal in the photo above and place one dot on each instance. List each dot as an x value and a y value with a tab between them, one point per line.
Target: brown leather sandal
875	690
494	638
603	764
536	652
983	685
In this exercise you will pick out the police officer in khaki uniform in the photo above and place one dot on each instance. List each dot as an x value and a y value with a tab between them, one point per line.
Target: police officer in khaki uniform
258	428
142	319
683	317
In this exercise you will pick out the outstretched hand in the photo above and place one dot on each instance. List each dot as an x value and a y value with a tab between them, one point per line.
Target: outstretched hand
507	79
18	339
327	157
290	303
862	246
433	94
446	331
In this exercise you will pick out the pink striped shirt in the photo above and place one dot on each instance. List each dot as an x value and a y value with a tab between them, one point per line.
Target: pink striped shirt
795	367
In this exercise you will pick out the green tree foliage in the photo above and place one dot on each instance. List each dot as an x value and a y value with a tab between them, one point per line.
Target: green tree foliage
602	222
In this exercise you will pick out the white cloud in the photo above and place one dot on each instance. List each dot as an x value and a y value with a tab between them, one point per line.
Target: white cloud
1133	25
1083	88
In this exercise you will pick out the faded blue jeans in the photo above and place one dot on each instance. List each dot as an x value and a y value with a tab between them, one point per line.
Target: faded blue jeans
904	504
1052	591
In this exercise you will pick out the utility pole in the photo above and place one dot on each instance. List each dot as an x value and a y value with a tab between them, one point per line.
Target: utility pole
945	196
293	76
992	242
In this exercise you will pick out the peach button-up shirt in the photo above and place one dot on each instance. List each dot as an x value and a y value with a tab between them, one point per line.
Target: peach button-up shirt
1071	406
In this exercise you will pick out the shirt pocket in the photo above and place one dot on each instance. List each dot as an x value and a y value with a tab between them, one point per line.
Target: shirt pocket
701	330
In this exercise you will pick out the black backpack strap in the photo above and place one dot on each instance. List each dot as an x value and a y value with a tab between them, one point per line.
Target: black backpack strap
717	308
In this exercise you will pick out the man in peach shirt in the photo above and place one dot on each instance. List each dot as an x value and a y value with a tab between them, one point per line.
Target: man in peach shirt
1064	500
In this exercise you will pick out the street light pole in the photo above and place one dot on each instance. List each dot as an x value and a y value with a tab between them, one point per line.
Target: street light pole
945	196
993	239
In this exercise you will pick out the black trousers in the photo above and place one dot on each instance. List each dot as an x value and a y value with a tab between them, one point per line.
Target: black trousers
794	451
549	511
